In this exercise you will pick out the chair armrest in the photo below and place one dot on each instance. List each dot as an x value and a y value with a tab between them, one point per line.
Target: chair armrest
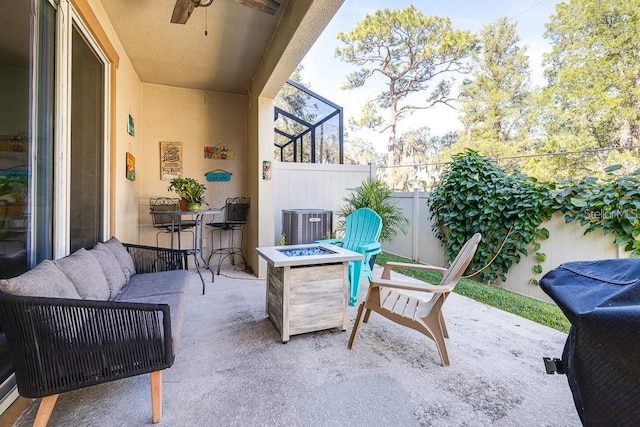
59	345
337	242
370	248
410	286
149	259
386	273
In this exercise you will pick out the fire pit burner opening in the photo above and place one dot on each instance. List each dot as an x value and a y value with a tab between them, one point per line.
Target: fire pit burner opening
316	250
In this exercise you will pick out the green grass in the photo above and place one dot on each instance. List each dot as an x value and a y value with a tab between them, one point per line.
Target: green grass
529	308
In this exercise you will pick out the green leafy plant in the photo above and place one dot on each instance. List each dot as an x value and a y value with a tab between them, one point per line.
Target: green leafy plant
374	195
283	239
188	189
476	196
611	204
13	189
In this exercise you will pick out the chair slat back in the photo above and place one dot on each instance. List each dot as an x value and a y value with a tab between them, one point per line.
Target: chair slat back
236	210
451	277
159	205
363	226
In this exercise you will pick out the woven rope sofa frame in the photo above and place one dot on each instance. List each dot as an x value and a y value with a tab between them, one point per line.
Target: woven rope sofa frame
59	345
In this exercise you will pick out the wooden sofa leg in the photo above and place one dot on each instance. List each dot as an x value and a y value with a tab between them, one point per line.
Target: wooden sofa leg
156	396
44	410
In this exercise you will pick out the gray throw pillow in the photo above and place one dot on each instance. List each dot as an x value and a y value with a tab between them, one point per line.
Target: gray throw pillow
110	267
44	280
85	272
123	257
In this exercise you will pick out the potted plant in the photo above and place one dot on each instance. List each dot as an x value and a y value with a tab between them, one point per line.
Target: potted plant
189	190
374	195
13	193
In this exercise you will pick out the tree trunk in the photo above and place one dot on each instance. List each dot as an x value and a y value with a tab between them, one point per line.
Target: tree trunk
393	120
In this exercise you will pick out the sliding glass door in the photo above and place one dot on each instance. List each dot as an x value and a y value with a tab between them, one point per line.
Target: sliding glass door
27	103
86	203
53	133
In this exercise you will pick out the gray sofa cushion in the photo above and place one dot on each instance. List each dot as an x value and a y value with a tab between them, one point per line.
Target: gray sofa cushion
166	287
110	267
44	280
123	257
85	272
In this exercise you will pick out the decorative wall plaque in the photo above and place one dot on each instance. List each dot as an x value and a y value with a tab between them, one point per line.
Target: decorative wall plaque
170	160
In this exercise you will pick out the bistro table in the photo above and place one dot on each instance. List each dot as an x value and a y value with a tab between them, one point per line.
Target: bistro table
198	218
307	287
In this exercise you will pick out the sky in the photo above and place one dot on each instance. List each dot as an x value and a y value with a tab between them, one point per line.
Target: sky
324	73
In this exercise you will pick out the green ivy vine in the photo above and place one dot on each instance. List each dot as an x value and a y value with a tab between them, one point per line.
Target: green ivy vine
611	204
475	195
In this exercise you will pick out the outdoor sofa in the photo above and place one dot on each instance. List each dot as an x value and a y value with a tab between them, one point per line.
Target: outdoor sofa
97	315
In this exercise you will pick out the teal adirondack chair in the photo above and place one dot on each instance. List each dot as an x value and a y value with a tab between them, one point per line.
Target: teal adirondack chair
362	235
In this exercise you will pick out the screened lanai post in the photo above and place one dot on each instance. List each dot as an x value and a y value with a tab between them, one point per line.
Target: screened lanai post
316	111
292	139
341	134
313	147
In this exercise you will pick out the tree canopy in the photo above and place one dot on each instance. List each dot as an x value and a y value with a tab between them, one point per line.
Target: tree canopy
584	118
494	100
413	53
592	96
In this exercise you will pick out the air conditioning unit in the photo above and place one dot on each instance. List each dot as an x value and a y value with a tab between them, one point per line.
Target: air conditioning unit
301	226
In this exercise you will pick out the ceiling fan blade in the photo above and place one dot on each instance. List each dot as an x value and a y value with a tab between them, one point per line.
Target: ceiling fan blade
182	11
267	6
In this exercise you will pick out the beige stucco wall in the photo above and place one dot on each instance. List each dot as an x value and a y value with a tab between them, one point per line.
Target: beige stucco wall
125	194
197	119
299	27
128	94
252	181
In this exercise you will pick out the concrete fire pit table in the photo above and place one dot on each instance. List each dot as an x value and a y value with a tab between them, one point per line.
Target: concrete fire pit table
307	287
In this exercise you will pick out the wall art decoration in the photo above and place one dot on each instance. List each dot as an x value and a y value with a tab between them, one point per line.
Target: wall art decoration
130	126
131	167
219	153
266	170
218	175
170	160
223	153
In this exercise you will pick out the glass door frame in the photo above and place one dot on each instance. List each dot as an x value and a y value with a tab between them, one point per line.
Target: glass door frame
78	14
68	13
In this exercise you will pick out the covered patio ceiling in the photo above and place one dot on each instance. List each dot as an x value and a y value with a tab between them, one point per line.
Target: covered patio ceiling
220	48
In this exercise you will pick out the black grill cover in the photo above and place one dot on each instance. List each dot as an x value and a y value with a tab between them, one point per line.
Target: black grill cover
601	357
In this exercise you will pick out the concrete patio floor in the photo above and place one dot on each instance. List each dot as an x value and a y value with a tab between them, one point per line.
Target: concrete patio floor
232	370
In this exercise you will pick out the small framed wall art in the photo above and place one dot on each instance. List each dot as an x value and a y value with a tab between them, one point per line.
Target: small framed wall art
266	170
131	167
130	126
219	153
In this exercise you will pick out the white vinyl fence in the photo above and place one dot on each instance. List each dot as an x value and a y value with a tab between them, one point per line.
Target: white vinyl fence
566	243
319	186
314	186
